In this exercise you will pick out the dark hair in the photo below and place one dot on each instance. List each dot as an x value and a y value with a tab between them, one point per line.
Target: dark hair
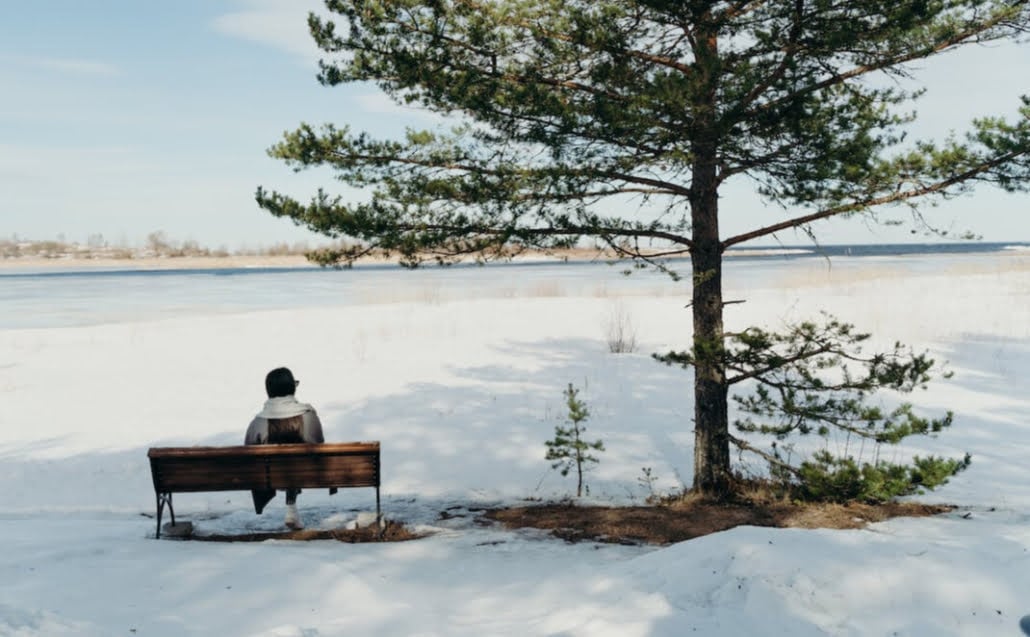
279	382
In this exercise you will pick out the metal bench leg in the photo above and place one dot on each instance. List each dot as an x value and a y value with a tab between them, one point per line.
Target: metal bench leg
379	516
162	499
160	508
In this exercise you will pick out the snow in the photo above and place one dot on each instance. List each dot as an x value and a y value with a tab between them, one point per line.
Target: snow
460	376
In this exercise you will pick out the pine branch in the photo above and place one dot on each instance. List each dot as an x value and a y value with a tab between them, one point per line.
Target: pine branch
974	34
775	365
900	196
771	459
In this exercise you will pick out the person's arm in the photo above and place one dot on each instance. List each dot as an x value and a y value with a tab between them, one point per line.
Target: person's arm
312	427
253	436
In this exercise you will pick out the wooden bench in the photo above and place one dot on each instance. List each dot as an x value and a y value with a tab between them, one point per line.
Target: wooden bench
244	468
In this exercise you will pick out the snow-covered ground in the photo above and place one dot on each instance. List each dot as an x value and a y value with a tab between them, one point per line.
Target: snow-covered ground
460	376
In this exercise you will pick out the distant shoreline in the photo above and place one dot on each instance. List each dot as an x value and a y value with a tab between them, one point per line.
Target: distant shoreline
200	262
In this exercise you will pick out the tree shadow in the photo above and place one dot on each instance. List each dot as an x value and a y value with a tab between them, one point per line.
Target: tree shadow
991	419
483	432
478	436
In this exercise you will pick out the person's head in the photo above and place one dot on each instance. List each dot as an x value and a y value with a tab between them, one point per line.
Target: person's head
280	382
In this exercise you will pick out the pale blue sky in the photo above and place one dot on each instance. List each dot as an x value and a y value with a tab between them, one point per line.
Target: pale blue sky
124	117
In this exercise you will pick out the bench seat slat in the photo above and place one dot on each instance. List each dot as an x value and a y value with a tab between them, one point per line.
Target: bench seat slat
326	448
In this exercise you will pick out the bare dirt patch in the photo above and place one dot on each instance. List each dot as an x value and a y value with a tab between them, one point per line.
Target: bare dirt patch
693	518
657	525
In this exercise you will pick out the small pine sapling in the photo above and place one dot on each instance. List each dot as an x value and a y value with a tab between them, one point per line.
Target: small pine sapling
568	449
647	480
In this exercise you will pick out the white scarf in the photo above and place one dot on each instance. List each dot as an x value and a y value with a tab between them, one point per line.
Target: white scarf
283	407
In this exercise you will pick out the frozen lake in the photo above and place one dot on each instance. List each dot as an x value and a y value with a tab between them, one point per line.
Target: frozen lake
81	297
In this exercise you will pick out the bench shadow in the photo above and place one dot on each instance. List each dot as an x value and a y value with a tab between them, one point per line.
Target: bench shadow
391	531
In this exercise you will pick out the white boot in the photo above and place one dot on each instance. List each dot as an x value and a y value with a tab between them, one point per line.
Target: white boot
292	518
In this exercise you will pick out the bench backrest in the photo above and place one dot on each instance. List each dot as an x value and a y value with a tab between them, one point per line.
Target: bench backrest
185	469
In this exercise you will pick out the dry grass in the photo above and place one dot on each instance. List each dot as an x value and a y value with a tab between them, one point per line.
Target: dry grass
820	272
545	289
619	330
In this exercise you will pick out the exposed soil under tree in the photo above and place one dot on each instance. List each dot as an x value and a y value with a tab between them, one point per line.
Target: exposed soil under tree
657	525
693	518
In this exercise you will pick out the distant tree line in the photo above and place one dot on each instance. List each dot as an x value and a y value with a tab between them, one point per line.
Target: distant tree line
158	244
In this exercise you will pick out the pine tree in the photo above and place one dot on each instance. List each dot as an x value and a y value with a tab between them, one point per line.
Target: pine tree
568	449
570	111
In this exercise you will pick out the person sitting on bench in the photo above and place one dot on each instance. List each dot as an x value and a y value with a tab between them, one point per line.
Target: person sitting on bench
283	420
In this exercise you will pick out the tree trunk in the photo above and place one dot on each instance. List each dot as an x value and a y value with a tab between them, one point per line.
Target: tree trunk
711	419
711	424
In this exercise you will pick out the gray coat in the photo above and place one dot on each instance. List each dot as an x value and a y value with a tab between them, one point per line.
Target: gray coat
280	409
